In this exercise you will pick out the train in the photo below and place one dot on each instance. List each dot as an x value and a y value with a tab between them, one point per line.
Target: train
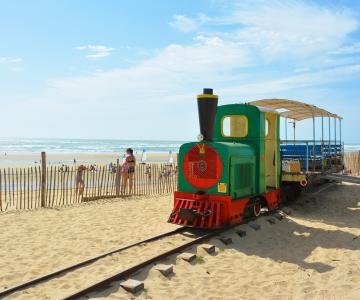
234	170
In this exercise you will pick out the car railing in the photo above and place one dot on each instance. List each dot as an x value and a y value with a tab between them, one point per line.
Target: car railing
313	155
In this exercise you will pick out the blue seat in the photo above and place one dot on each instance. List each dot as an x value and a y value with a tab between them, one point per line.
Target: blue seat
302	153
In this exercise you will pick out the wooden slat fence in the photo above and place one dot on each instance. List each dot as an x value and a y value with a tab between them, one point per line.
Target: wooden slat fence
352	163
21	188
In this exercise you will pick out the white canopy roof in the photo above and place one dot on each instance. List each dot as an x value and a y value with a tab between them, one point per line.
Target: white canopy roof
294	109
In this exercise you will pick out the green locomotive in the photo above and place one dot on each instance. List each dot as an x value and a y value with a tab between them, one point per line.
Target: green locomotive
234	168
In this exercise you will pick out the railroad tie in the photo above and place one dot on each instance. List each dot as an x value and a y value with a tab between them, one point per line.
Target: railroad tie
189	257
287	210
132	286
165	270
241	233
226	240
210	249
254	226
279	216
271	220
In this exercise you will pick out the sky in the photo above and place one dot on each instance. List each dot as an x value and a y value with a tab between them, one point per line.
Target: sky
132	69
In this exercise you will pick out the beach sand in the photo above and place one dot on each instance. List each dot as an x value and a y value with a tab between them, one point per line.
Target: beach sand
313	253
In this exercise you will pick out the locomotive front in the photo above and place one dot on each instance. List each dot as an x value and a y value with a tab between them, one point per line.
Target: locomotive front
204	197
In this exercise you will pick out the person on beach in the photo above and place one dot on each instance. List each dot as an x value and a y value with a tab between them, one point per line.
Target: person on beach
80	185
128	171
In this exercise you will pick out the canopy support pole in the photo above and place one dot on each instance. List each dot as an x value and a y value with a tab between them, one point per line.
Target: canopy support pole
294	124
286	129
322	143
335	143
314	151
341	145
329	146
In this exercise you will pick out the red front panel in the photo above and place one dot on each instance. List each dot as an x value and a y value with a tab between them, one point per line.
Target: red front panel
206	211
202	166
214	211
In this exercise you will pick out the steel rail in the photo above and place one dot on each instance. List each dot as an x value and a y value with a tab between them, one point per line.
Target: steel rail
37	280
127	272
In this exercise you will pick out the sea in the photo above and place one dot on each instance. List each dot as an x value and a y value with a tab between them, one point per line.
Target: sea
63	146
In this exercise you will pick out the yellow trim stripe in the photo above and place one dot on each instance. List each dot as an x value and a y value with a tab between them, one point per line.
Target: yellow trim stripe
205	96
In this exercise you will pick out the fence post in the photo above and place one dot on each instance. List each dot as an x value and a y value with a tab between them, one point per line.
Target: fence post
43	179
117	178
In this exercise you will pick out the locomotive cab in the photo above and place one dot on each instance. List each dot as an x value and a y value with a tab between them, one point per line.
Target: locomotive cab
244	124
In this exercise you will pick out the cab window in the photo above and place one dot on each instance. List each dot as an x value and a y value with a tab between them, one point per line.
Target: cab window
235	126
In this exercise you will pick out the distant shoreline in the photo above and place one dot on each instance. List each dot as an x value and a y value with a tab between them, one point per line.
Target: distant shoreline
20	160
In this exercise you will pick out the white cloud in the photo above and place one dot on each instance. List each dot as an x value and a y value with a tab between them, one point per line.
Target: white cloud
9	59
294	28
186	24
97	51
173	70
269	88
350	49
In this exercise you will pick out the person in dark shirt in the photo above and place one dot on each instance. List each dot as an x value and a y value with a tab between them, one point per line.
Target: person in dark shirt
79	180
128	170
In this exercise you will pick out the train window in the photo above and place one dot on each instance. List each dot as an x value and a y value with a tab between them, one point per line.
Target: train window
235	126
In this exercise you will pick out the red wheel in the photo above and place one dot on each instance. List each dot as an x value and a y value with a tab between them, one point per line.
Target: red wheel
257	208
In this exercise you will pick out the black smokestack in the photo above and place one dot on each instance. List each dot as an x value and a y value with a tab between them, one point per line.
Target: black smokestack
207	104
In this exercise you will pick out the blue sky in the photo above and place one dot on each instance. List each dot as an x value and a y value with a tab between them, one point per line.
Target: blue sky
132	69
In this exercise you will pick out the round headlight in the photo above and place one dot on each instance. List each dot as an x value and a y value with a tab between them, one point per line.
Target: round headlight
200	137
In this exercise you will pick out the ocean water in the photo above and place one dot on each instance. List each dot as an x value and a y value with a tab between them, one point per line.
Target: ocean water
351	147
60	146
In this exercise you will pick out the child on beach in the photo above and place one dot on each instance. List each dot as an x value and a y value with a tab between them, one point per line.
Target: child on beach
79	181
128	170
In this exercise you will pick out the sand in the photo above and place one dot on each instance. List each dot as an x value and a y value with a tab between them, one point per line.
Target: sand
40	241
314	253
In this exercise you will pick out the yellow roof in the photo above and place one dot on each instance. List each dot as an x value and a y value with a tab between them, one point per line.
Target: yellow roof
294	109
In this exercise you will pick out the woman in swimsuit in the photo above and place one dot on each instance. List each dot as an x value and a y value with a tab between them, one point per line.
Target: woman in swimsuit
79	181
128	170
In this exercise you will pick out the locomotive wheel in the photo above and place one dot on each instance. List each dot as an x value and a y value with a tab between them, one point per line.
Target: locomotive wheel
253	209
257	209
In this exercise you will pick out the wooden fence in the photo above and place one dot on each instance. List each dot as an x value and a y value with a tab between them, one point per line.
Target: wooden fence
30	188
352	163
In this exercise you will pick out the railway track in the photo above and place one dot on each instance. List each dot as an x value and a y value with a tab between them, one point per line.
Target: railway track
200	236
43	278
102	284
